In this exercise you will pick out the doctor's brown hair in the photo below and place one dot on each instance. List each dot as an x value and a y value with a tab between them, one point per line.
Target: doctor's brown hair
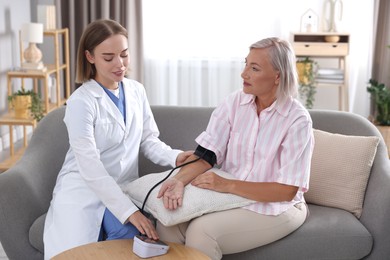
95	33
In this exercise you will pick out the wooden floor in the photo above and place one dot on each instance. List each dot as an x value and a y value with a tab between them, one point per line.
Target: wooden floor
6	161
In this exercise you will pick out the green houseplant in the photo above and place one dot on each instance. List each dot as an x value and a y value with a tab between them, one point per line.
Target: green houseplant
26	103
306	78
380	95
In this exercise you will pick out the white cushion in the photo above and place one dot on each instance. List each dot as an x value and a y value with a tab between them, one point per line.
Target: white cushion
196	201
340	168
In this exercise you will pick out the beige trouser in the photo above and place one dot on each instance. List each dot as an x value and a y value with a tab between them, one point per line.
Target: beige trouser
233	231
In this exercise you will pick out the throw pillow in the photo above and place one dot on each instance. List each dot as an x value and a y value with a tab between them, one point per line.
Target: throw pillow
196	201
340	168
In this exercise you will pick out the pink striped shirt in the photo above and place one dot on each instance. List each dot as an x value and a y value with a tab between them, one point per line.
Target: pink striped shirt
275	146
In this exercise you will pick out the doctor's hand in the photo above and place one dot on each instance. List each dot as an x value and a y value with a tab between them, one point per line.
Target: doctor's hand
182	157
144	225
172	193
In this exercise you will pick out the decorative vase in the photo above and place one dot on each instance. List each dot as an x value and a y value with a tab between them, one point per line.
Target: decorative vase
21	105
333	14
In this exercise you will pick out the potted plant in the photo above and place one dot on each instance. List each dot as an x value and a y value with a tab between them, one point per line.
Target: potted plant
26	104
306	78
380	95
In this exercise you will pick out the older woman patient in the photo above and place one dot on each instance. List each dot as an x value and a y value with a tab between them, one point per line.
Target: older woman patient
263	136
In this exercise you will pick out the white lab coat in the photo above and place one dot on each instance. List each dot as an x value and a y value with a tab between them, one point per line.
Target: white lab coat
103	154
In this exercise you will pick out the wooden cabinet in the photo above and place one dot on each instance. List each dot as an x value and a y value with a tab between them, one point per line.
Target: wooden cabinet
59	70
326	45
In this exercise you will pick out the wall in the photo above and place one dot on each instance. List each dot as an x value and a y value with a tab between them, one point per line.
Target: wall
12	15
239	25
16	12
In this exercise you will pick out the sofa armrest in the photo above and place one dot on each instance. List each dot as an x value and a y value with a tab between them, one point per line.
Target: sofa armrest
26	188
19	206
376	208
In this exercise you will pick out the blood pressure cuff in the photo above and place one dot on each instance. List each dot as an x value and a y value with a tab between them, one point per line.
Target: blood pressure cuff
205	154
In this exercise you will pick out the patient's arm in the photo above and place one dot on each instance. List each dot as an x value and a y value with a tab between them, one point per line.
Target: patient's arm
172	189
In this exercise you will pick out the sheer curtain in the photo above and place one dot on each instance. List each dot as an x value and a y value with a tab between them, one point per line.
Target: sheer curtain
194	51
359	22
382	44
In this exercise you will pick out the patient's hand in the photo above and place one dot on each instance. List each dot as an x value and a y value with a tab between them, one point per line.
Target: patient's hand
212	181
172	193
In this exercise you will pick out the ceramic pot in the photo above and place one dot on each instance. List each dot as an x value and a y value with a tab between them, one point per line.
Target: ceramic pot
21	105
304	69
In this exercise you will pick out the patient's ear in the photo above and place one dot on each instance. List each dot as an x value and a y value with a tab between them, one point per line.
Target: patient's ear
277	78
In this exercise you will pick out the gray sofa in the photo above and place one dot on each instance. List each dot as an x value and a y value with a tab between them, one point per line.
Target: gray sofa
328	233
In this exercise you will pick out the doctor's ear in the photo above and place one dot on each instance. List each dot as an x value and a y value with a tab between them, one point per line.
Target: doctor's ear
89	57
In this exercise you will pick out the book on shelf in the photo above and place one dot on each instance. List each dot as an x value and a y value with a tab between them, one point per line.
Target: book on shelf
33	67
328	71
330	76
329	81
46	14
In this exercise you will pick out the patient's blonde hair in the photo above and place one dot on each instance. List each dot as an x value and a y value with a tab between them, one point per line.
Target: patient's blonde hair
282	58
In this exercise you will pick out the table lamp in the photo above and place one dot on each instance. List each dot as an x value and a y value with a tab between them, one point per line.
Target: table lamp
33	34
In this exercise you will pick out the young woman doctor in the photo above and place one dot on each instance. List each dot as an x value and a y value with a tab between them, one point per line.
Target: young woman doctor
109	121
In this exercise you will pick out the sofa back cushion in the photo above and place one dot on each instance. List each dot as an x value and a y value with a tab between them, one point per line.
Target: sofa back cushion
179	126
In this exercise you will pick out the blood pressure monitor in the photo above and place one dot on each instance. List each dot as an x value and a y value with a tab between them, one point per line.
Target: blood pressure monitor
145	247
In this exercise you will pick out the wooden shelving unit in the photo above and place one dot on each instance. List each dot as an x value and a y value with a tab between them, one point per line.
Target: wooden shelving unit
314	45
10	120
57	69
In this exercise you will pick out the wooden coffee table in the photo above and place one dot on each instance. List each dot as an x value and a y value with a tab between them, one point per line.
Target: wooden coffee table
123	249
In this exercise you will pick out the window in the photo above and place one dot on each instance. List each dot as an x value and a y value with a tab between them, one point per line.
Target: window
194	50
